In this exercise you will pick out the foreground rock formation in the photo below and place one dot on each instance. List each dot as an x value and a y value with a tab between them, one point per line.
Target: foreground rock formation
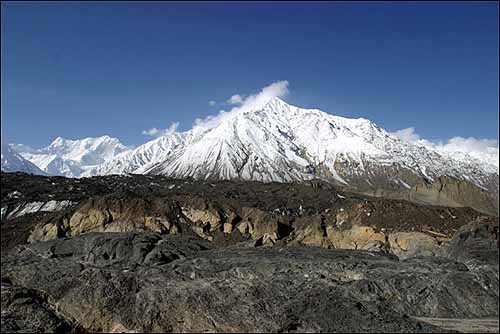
150	254
312	214
114	282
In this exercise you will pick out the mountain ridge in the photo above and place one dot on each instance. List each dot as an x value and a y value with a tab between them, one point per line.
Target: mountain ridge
274	141
71	158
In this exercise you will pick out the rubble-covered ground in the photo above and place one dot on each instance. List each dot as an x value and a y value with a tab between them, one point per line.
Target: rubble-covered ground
152	254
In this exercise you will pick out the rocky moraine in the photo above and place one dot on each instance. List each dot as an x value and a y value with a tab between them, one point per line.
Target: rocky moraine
142	253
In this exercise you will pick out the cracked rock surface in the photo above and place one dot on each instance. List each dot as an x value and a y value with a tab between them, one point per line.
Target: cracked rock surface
143	282
231	257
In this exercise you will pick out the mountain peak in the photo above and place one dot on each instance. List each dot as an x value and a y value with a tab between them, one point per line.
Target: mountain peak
276	102
61	140
58	141
13	161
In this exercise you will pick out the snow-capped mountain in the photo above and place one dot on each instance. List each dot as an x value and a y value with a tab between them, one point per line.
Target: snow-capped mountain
273	141
280	142
134	161
72	157
489	157
14	162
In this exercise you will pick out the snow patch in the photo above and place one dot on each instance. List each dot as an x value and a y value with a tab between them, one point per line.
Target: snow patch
33	207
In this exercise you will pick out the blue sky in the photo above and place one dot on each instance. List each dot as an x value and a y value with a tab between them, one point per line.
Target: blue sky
88	69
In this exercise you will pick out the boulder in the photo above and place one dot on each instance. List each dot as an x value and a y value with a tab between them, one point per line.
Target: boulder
409	244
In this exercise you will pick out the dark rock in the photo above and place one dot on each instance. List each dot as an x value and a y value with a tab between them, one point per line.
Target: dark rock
27	310
476	241
146	283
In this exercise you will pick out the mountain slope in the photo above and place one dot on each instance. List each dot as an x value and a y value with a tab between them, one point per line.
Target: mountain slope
13	162
142	157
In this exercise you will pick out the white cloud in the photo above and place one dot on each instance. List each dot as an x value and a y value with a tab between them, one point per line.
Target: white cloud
154	132
477	147
235	99
251	102
407	134
470	144
212	103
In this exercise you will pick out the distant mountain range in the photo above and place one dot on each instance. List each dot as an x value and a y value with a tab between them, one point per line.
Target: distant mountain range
274	142
13	162
72	158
